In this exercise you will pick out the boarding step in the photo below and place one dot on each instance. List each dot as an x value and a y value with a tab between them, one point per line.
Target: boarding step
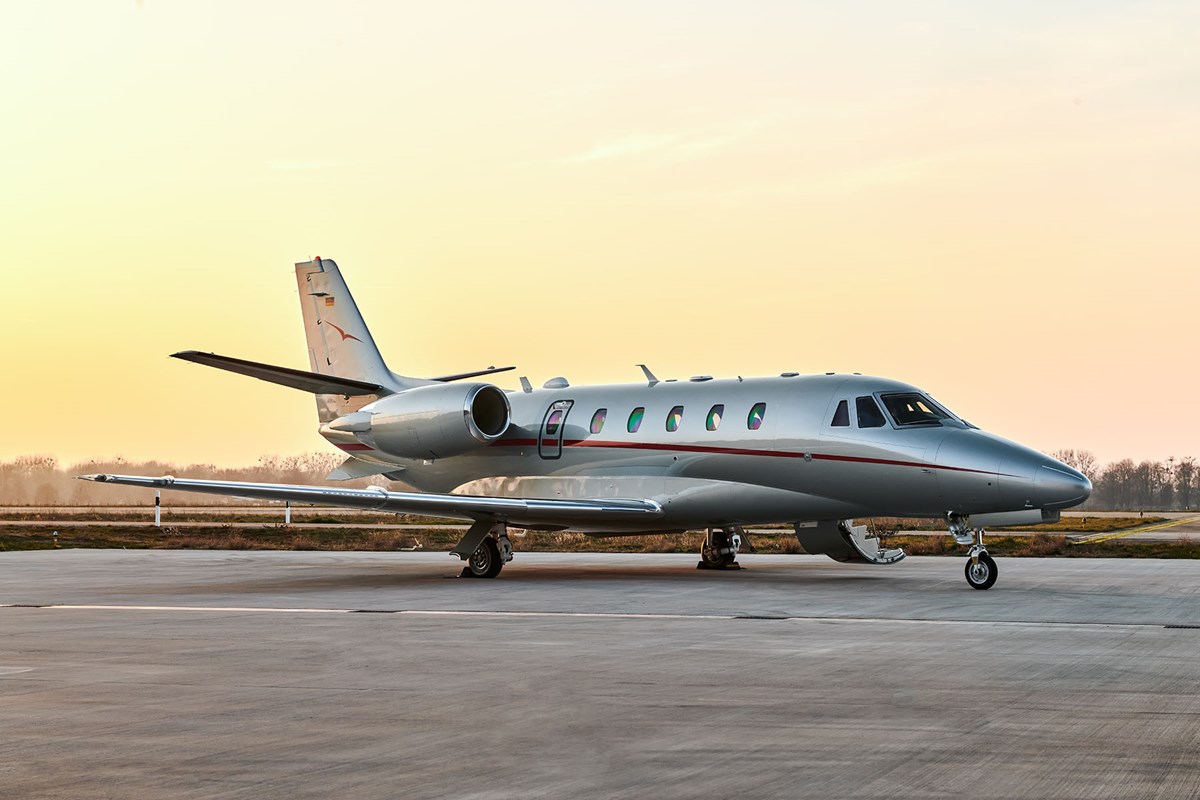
842	540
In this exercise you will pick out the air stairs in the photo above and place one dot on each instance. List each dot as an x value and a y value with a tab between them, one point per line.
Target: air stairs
842	540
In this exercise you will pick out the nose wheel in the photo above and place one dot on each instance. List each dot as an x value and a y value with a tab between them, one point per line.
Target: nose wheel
981	571
981	568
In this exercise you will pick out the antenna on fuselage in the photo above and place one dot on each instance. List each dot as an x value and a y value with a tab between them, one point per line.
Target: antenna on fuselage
650	379
526	386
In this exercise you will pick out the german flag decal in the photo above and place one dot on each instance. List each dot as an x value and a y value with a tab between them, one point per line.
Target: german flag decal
328	301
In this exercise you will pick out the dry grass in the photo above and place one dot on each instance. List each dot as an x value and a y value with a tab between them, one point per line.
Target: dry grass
1041	545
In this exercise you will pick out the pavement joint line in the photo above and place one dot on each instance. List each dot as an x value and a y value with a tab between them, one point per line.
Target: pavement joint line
600	615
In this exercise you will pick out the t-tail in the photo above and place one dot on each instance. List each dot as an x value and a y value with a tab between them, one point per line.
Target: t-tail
347	369
339	343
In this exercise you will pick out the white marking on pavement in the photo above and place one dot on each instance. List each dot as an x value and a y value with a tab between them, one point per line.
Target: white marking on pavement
585	615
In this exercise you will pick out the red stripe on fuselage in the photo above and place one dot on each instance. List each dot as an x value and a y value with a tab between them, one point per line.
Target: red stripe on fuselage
353	446
734	451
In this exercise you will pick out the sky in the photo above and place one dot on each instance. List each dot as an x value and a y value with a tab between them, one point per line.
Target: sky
998	202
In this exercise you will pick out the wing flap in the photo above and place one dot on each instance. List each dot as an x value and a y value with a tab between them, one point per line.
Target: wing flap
517	511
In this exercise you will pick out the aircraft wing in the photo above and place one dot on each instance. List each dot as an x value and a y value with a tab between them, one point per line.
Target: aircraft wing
519	512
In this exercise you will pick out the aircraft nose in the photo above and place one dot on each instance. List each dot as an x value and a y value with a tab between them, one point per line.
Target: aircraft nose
1033	480
1061	487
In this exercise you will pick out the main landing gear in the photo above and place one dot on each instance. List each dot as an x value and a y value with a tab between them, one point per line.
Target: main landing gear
981	568
721	546
486	548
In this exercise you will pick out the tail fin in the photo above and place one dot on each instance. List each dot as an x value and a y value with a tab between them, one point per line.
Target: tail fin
339	343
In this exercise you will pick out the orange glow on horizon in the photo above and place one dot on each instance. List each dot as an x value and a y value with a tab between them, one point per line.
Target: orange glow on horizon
996	204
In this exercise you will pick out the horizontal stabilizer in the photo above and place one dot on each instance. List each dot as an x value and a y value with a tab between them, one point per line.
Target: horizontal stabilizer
477	373
284	376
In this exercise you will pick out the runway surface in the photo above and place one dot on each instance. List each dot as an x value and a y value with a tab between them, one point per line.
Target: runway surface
163	674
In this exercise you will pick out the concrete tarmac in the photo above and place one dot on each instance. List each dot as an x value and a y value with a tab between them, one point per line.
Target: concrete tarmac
190	674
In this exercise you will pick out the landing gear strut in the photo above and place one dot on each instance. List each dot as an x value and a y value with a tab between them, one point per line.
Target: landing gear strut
486	548
981	568
720	548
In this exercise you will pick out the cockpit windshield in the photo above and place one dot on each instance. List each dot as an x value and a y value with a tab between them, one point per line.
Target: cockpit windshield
911	408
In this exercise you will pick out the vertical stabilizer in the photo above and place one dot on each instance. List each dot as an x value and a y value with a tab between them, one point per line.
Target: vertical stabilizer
339	343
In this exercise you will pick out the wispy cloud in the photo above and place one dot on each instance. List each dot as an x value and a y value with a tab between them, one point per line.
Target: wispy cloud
637	145
663	147
304	166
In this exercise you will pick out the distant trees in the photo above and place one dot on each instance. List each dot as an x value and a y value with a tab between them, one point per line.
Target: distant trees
1081	460
1168	485
42	481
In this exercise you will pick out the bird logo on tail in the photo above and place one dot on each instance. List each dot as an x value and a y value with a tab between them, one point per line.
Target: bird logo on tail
345	335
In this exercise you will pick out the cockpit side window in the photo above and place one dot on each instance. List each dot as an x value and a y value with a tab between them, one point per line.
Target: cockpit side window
869	415
841	417
910	408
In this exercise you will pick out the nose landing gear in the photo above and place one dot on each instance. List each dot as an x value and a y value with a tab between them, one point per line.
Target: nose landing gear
981	571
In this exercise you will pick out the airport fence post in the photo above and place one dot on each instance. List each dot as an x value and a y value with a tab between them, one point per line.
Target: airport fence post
287	512
157	509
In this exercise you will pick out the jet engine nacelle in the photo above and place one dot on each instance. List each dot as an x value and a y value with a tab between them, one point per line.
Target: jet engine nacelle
447	419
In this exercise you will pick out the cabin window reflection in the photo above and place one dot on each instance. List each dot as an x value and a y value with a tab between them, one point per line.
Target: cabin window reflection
841	417
598	420
754	420
713	421
552	422
674	418
869	415
635	419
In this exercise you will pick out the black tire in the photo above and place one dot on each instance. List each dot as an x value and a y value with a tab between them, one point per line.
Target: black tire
712	559
983	576
485	561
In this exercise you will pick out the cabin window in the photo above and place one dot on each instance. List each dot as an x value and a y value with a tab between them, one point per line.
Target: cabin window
841	417
910	408
754	420
674	418
714	417
598	420
552	422
869	415
635	419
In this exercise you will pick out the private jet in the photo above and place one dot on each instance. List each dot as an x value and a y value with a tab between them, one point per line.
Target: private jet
814	452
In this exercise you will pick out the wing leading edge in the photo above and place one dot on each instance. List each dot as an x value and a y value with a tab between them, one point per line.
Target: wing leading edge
519	512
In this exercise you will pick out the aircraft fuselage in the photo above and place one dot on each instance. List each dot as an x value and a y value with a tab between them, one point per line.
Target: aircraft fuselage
736	452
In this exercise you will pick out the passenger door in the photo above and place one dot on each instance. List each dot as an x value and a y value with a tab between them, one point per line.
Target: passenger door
554	424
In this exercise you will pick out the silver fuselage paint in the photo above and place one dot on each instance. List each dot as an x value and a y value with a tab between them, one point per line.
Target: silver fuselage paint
795	466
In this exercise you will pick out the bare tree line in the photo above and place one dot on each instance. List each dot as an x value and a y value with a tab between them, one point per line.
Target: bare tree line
1171	485
43	481
1168	485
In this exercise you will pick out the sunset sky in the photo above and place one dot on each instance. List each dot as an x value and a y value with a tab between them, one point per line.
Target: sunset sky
997	202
